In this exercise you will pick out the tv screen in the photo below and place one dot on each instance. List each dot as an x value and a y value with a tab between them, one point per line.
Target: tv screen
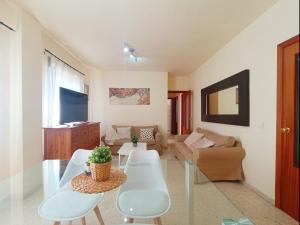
73	106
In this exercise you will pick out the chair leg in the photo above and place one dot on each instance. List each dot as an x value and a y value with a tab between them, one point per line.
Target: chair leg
83	221
56	223
129	220
98	214
157	221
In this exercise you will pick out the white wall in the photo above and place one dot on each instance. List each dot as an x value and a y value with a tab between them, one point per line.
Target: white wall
255	49
178	83
4	103
155	113
23	89
31	91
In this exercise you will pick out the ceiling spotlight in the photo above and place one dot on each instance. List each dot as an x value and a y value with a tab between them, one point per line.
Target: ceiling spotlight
126	48
131	51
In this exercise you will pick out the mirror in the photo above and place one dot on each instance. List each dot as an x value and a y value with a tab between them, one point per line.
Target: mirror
227	101
224	102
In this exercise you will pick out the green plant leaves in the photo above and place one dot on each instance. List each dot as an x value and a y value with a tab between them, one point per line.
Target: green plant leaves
101	154
134	139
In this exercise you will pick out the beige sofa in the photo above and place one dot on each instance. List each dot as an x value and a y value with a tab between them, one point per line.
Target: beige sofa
223	161
156	144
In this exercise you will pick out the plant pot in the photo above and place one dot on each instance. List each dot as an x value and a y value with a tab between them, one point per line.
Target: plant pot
134	144
100	171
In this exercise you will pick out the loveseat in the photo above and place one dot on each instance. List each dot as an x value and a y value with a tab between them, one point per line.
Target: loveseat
155	144
221	162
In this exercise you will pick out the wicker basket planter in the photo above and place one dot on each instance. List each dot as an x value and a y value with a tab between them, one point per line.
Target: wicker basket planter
100	171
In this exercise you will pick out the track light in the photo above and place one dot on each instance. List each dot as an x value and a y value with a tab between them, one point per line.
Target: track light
126	49
130	50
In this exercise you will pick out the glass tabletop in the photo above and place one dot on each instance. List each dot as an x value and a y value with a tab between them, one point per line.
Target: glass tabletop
195	200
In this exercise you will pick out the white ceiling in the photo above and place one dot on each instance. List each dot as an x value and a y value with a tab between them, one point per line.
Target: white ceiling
172	35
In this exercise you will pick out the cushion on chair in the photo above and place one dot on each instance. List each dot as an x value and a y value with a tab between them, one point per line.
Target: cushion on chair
145	203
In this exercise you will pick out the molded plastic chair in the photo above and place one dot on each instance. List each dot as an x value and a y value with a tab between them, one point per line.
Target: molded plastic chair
145	194
66	204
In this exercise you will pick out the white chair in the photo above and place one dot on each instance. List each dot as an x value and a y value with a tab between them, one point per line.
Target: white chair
145	194
66	204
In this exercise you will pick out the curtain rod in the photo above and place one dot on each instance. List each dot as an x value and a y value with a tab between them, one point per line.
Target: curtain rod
46	50
8	27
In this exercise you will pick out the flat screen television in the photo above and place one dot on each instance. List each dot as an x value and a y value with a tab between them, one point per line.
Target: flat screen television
73	106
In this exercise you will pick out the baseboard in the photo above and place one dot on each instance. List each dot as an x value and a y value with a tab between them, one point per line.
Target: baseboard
258	192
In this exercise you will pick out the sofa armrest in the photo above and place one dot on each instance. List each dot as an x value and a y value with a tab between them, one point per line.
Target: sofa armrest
219	154
159	138
220	163
181	138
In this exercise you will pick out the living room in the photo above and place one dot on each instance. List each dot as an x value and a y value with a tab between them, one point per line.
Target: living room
112	48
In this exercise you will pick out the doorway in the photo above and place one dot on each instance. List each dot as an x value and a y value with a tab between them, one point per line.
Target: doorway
179	116
287	134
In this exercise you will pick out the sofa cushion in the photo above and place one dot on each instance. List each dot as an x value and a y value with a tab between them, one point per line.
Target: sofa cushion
136	130
121	141
146	134
202	143
192	138
184	150
131	128
124	132
219	140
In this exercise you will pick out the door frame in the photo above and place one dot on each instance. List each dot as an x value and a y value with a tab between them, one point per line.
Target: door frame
174	106
279	119
183	112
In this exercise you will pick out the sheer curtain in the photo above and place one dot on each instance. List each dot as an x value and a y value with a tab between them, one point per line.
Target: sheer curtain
57	74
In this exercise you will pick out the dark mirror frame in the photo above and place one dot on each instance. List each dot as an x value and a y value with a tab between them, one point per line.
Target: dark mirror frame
241	80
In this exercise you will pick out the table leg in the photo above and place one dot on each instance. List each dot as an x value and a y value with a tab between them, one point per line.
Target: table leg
83	221
98	214
157	221
129	220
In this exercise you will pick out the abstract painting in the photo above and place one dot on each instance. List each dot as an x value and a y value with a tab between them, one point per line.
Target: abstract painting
129	96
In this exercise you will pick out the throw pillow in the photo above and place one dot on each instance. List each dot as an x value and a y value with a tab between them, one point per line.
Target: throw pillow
111	134
192	138
203	143
147	134
124	132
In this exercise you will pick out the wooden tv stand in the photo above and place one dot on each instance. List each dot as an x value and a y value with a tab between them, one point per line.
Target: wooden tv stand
60	142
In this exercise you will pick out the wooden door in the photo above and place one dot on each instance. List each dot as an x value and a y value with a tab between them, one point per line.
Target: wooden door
287	163
174	115
186	112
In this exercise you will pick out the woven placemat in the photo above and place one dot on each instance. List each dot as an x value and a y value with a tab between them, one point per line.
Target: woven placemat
85	184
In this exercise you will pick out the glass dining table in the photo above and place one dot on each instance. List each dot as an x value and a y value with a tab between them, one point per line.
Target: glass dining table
195	200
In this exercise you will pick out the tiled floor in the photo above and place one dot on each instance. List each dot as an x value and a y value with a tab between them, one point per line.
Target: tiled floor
212	202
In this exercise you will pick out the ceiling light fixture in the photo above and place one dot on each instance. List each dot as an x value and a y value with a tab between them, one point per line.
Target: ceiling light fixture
130	50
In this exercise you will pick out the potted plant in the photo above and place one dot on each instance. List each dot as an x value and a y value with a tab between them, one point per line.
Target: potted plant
134	141
100	163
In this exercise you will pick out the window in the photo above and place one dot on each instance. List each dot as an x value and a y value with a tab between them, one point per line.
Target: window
57	74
